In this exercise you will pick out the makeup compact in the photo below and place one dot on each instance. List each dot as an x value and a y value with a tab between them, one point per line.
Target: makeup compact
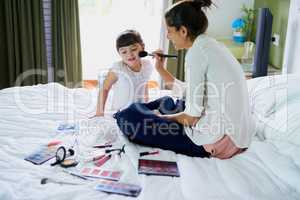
61	154
69	163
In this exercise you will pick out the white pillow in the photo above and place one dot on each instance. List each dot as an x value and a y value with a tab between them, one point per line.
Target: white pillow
284	124
275	103
268	94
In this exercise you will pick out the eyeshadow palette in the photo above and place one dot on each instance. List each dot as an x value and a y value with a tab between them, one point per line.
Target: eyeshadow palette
96	172
158	167
119	188
43	154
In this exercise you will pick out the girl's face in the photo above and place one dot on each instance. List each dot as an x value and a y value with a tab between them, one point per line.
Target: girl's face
179	37
130	54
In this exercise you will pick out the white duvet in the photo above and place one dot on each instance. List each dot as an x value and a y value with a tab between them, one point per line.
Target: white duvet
29	117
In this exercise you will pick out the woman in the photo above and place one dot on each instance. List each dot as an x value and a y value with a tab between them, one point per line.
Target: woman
216	120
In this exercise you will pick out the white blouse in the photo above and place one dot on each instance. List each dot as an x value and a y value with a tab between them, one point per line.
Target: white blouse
216	91
130	86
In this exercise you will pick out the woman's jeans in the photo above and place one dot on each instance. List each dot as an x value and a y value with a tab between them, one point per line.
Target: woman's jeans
142	126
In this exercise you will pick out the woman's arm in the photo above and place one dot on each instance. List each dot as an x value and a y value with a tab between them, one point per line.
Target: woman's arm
104	91
182	118
159	65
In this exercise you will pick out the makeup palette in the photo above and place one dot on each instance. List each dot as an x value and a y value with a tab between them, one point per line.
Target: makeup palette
158	167
119	188
96	172
41	155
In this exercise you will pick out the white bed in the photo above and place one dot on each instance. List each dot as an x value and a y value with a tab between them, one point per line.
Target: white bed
269	169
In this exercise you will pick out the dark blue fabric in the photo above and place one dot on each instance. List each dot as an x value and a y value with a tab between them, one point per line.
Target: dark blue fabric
166	105
142	126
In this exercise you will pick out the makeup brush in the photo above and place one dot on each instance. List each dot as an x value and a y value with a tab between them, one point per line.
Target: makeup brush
145	53
48	180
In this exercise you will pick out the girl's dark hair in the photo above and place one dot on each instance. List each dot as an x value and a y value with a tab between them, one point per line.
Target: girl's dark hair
127	38
189	14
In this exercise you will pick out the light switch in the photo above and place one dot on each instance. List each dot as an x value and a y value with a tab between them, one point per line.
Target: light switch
276	39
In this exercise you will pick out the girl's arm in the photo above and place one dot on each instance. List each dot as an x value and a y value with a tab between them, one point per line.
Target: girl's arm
110	79
166	76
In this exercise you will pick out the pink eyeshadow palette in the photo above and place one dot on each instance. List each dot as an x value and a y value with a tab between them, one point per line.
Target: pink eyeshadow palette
96	172
158	167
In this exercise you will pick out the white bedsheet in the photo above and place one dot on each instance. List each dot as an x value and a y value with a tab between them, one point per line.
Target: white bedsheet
29	117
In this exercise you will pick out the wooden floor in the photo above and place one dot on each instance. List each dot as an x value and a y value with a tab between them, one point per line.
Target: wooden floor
90	84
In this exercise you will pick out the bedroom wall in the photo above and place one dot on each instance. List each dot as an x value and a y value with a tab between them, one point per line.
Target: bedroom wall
280	11
221	16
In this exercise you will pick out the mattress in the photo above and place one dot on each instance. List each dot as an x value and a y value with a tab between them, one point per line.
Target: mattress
29	117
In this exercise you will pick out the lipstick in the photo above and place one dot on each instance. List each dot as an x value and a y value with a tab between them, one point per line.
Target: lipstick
148	153
102	160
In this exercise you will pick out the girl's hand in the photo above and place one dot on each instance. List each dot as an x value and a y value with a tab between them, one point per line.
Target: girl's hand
97	115
159	61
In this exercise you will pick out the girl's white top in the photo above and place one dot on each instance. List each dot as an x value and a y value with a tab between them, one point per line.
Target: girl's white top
216	90
130	86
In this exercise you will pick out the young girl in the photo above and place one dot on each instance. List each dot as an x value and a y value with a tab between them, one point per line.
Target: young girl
129	76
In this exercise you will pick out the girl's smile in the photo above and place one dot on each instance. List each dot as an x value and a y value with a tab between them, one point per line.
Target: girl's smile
130	54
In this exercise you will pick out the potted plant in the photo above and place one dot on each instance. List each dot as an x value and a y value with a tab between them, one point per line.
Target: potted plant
248	18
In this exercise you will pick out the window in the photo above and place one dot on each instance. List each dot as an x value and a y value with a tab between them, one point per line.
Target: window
102	20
